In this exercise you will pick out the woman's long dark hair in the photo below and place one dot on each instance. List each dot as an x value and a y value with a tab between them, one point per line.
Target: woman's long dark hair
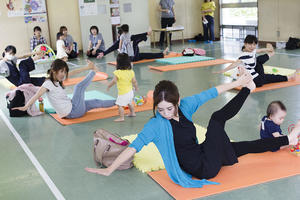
57	65
165	91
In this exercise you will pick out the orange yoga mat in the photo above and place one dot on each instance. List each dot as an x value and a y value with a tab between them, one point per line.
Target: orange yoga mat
273	86
102	113
170	55
190	65
100	76
252	169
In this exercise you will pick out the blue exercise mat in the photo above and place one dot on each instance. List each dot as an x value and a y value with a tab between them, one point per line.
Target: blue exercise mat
93	94
183	59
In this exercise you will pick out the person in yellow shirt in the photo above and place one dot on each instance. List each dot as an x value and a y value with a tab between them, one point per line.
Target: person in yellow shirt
124	77
207	9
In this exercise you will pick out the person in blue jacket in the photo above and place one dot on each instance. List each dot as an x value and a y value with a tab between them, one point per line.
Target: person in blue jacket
174	134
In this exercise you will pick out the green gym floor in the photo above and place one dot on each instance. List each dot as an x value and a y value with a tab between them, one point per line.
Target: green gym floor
64	151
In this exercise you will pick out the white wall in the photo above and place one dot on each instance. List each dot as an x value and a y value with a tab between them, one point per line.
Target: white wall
187	13
14	31
102	21
138	19
278	15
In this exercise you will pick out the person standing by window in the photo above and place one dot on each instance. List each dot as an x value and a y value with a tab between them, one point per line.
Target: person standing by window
207	9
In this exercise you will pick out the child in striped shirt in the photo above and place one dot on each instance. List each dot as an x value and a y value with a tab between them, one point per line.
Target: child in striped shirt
254	64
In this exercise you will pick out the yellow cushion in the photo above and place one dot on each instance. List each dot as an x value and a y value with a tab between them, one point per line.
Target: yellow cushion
269	70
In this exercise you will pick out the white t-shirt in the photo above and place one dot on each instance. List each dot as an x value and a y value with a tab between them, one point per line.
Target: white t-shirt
60	49
58	98
249	61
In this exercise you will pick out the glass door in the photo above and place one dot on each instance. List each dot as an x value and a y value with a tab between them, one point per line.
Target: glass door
238	18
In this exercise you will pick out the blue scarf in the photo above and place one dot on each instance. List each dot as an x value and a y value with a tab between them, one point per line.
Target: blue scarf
159	131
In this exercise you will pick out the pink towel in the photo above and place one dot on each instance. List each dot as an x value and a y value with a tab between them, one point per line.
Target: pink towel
199	52
29	90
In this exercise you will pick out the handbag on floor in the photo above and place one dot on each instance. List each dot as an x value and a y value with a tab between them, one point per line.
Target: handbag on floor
107	147
188	52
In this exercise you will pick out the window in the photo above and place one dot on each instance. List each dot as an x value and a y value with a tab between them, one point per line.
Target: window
237	1
238	18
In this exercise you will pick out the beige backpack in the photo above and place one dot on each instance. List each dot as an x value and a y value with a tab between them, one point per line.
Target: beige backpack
107	147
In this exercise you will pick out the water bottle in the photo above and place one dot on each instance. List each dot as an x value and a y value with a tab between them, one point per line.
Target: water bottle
41	104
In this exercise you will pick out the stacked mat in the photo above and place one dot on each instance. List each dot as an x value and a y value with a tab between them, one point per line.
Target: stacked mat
268	70
183	59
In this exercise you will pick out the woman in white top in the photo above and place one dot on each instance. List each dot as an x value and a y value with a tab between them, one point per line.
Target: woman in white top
62	104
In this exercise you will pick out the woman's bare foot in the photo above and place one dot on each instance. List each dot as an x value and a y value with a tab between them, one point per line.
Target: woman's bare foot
92	66
120	119
149	31
245	79
100	55
270	48
251	85
294	76
166	51
38	55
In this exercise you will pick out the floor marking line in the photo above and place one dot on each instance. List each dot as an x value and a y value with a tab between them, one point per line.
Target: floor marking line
289	54
33	159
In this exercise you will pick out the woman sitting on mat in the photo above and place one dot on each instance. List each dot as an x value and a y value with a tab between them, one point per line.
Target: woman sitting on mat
62	104
9	69
174	134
